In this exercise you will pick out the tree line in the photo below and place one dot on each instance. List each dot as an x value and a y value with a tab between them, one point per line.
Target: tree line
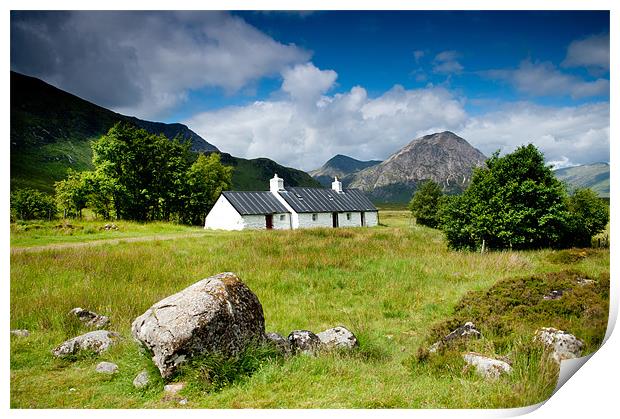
137	176
514	202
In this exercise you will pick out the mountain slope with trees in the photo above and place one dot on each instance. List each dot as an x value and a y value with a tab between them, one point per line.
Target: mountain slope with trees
52	131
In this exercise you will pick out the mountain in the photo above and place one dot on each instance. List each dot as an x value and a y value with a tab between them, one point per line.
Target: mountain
51	131
594	176
442	157
339	166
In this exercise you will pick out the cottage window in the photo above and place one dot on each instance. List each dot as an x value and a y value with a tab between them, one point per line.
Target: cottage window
315	217
282	217
348	216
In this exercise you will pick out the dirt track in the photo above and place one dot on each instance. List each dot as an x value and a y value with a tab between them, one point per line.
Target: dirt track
60	246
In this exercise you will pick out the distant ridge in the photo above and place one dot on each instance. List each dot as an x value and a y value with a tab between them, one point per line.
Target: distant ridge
443	157
340	166
594	176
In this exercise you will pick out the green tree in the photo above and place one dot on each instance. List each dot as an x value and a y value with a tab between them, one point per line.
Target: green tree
206	179
514	202
72	194
30	204
590	216
425	204
145	171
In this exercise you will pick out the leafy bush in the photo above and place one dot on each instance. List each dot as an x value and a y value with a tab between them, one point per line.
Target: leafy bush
425	204
30	204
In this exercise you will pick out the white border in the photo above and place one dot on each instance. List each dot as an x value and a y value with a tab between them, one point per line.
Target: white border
591	393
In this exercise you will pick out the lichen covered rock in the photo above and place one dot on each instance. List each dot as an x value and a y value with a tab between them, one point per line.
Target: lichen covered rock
106	368
97	341
90	318
304	341
217	314
561	345
468	330
281	344
487	367
338	338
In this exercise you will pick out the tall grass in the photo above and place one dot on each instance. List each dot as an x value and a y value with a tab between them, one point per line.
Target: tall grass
387	284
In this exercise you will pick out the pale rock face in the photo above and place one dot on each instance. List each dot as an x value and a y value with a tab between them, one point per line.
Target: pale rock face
90	318
106	368
304	341
487	367
338	338
561	344
174	388
22	333
283	345
142	380
468	330
97	341
217	314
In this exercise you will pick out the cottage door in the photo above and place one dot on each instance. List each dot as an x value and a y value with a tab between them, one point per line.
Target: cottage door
269	221
335	219
363	219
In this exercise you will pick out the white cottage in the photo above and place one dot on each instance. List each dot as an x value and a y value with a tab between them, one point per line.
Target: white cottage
290	208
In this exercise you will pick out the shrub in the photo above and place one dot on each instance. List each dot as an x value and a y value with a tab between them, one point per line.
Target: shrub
425	204
30	204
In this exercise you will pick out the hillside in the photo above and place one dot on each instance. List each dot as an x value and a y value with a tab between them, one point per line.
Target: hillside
340	166
51	131
442	157
594	176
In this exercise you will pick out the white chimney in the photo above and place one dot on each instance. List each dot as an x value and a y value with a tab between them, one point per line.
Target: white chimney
337	185
276	184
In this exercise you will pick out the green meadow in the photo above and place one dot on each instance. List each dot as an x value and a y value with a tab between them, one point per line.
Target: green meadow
396	286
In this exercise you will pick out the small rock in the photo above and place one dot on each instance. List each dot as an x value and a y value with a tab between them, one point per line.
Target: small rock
72	389
304	341
183	402
485	366
584	281
554	295
90	318
22	333
110	227
97	341
142	380
106	367
561	344
468	330
283	345
338	338
174	388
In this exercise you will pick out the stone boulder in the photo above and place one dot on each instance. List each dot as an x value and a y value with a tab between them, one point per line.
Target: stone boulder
22	333
487	367
468	330
90	318
97	341
142	380
216	314
281	344
338	338
106	368
304	341
561	345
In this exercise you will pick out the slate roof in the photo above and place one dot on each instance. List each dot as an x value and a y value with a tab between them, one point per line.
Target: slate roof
254	203
326	200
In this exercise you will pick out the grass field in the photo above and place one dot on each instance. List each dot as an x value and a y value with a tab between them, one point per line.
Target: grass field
395	286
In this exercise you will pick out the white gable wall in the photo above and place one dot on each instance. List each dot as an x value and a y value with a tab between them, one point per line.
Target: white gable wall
372	218
223	216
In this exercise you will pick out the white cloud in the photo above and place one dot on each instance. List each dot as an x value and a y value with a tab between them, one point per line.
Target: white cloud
591	52
544	79
446	63
143	63
417	55
306	83
576	134
303	134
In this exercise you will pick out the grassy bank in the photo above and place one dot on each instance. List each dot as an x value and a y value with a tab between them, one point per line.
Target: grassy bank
391	285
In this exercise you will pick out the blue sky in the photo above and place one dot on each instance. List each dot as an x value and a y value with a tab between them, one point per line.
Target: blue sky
300	87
